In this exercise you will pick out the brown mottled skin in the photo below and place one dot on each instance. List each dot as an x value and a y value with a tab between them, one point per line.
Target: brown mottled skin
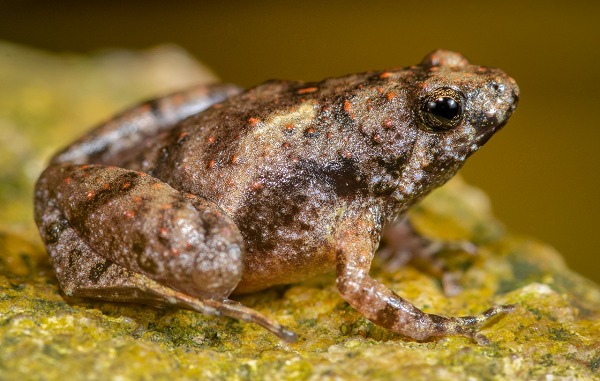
188	198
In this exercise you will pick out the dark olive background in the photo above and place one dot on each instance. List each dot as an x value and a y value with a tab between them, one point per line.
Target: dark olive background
541	171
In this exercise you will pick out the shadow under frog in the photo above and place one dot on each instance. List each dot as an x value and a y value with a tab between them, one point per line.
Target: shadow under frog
214	190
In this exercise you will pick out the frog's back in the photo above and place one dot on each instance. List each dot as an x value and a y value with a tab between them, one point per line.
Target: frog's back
289	132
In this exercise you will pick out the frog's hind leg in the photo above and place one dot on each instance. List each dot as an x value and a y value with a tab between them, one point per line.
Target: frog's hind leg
86	242
83	273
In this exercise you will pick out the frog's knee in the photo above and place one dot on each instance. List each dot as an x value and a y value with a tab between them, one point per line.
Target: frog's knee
219	264
219	268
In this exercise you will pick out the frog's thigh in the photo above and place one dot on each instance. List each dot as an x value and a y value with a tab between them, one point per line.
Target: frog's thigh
83	273
143	225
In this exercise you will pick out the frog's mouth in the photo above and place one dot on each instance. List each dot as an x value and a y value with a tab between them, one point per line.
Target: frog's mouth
487	134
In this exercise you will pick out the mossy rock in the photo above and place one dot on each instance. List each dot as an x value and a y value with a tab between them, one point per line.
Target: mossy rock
45	100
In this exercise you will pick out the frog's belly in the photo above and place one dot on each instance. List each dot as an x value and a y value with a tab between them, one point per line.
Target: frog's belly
285	265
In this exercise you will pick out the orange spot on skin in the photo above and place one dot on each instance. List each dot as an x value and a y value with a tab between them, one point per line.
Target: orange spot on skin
182	135
391	96
211	139
129	214
85	166
329	134
106	186
307	90
86	175
347	106
211	163
376	138
310	131
235	159
380	90
137	199
174	251
285	145
388	123
256	184
166	206
385	75
164	232
90	194
157	185
254	121
68	180
142	174
190	195
126	185
347	153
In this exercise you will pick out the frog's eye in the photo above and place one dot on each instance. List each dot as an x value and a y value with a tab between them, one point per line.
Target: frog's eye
441	109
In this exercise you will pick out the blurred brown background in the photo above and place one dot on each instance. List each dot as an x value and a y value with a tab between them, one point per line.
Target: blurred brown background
541	171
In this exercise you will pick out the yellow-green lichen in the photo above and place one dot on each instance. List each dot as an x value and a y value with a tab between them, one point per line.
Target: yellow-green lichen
45	335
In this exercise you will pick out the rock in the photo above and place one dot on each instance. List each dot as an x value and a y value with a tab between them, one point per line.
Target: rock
46	100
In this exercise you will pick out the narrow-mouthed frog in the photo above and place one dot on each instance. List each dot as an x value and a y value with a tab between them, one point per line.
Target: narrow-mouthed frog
189	198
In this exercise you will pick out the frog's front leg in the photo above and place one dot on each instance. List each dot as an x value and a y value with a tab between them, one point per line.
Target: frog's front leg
356	242
122	137
121	235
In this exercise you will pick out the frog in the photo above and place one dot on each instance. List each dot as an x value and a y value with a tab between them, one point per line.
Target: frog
215	191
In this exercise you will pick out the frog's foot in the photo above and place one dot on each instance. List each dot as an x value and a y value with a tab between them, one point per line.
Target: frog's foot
402	245
228	308
460	325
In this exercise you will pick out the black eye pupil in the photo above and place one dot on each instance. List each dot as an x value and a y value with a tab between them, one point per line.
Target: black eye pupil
443	108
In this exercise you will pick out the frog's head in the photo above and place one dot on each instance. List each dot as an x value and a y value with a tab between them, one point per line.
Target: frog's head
464	103
457	108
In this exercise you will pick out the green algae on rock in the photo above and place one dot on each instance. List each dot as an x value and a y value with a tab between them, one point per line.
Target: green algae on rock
46	335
